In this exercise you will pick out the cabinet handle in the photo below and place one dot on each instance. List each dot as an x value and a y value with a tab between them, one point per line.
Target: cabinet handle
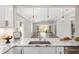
6	22
21	50
60	52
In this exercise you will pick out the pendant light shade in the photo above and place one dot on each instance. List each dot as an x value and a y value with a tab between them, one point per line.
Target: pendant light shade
47	12
33	17
62	14
33	12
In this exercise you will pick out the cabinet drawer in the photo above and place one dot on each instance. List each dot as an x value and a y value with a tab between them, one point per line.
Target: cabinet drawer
31	50
47	50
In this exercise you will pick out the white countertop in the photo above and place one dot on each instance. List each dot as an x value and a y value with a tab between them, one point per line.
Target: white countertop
24	42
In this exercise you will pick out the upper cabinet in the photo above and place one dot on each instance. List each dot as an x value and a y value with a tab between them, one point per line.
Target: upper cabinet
6	16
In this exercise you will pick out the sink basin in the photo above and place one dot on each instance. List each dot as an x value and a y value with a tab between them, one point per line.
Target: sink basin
39	42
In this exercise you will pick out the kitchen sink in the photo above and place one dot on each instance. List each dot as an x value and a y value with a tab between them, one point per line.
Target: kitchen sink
39	42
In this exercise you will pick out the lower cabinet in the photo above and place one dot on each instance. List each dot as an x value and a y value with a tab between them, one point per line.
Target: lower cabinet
15	50
31	50
47	50
18	50
36	50
41	50
11	51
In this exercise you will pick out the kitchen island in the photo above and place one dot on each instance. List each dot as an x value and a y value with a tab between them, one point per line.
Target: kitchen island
23	47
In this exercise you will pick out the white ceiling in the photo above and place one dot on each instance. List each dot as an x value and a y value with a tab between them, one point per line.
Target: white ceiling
41	14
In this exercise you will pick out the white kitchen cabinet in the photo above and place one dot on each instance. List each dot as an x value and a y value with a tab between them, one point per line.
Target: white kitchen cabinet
39	50
36	50
6	14
59	50
31	50
10	51
2	24
15	50
47	50
18	50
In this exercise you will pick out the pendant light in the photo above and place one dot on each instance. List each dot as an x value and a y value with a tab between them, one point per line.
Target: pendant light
62	14
33	12
47	12
33	17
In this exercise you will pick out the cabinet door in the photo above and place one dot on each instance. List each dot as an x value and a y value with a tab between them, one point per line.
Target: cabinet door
6	14
11	51
47	50
31	50
18	50
60	50
15	50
